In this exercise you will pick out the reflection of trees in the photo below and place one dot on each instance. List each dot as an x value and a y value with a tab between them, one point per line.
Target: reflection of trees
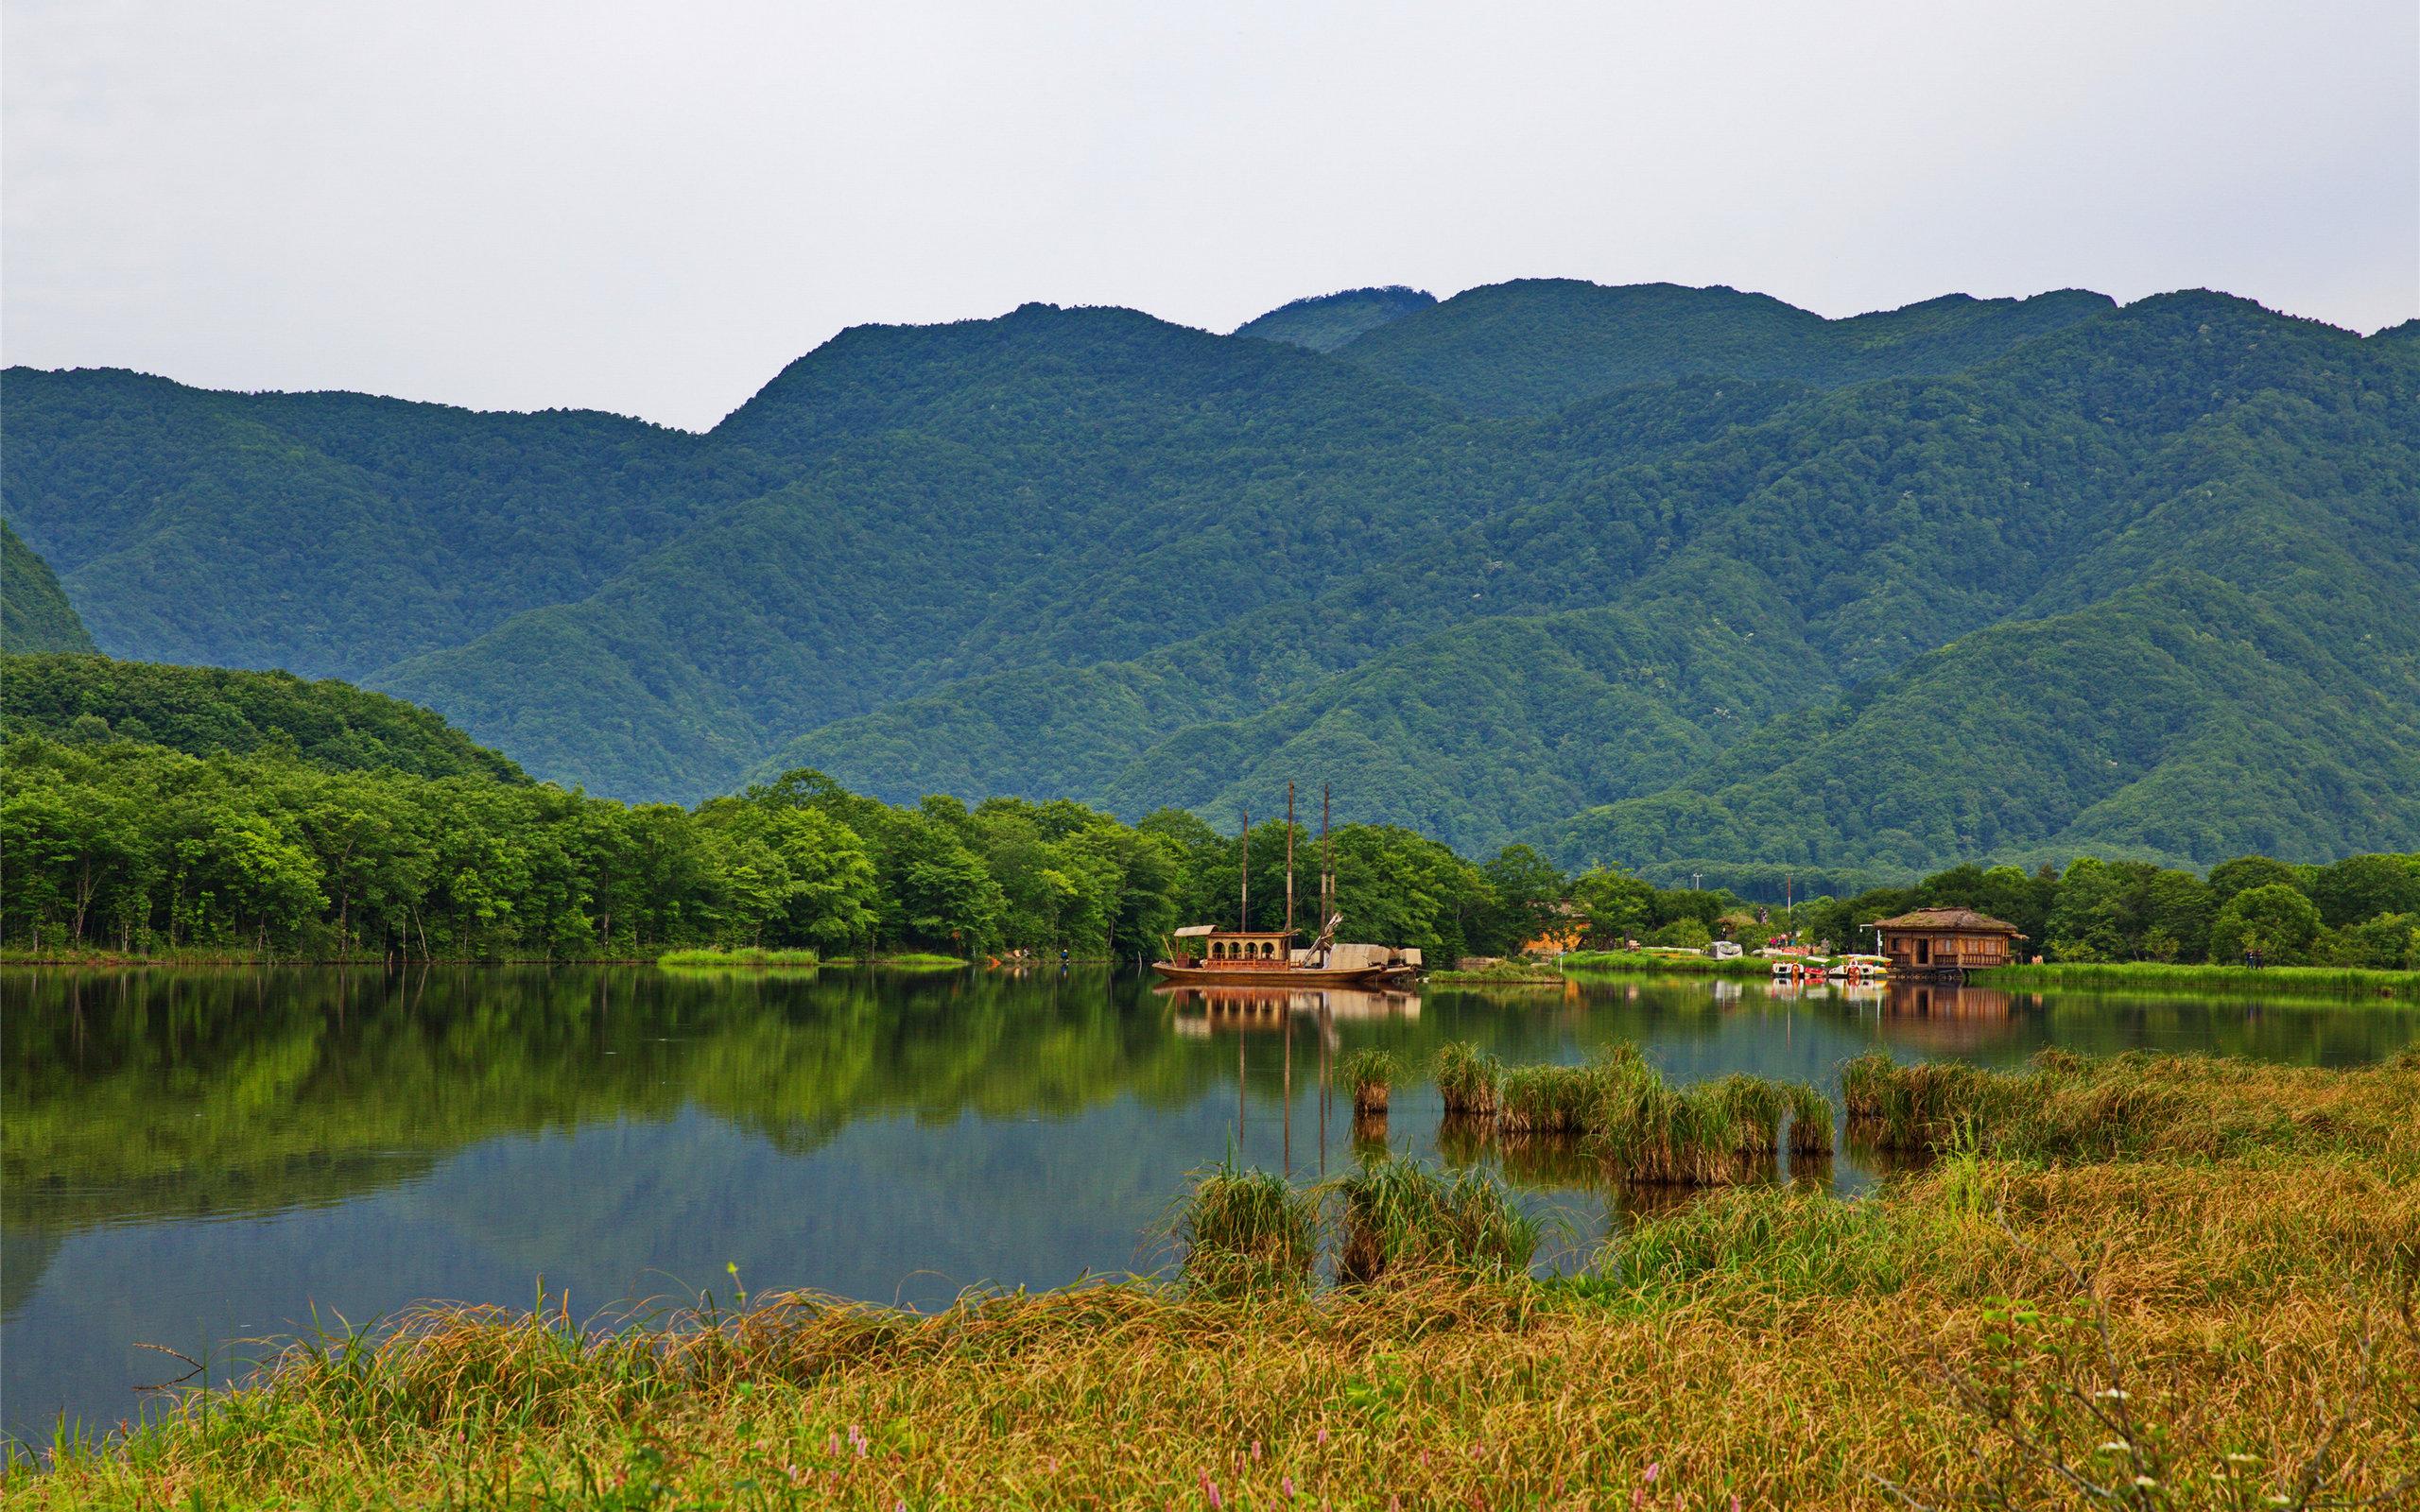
217	1092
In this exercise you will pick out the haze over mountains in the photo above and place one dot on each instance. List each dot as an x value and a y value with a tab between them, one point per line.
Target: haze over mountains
1663	575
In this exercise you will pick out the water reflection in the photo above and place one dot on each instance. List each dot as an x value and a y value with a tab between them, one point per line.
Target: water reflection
195	1157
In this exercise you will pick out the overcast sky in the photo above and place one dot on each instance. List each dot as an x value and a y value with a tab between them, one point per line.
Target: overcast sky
650	209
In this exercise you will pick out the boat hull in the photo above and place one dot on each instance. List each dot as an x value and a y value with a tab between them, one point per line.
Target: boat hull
1271	975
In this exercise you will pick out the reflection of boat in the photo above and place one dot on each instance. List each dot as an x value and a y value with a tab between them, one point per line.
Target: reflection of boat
1200	1009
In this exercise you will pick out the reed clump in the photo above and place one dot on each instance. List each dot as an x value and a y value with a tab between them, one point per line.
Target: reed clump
1245	1231
1403	1219
1371	1074
1549	1099
1469	1080
1810	1120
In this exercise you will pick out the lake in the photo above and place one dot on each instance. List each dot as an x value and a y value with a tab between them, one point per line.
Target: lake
196	1158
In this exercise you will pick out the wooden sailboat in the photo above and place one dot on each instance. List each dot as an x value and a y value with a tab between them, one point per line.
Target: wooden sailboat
1205	955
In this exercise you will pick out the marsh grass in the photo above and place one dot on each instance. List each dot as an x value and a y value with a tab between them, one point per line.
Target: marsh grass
1635	962
1468	1080
2064	1107
1245	1231
1549	1099
743	956
1810	1120
2240	1278
1371	1074
1402	1219
2268	981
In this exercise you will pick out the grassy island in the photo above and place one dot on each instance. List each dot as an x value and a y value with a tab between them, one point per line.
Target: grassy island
1755	966
739	958
2186	1282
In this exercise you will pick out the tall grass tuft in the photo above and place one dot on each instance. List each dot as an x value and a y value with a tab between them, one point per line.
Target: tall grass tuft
1756	1108
1549	1099
1403	1220
1372	1075
1469	1079
1810	1120
1248	1231
1654	1134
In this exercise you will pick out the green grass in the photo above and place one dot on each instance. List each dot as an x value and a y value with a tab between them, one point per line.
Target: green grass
2268	981
1467	1079
1405	1220
737	957
1372	1075
1247	1231
1549	1099
911	960
1503	973
1632	961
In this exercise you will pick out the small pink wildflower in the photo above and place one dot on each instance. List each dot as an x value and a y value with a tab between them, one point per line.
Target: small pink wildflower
1322	1438
1286	1483
1255	1450
1653	1469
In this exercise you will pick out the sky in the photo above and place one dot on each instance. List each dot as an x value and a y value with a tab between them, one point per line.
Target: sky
650	209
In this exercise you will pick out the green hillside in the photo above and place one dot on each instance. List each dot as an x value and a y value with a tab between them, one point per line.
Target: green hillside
197	711
35	614
1536	344
1326	321
329	533
1657	574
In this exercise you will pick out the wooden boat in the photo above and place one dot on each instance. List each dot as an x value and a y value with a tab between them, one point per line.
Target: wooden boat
1206	955
1260	958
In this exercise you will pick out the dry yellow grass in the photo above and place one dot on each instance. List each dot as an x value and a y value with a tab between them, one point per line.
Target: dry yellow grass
1954	1339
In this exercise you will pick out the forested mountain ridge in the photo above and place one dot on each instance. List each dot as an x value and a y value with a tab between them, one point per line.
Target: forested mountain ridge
34	612
1834	541
201	711
1539	551
1536	344
1326	321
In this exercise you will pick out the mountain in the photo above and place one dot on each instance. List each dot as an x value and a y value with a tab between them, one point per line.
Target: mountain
35	614
1536	344
1326	321
1655	575
202	709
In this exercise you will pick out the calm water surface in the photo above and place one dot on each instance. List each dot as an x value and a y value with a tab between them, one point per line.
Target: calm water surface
200	1159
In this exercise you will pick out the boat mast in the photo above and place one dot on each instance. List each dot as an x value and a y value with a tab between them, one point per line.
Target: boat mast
1246	922
1327	868
1289	868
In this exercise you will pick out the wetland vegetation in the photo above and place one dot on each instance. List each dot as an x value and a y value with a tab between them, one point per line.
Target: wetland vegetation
2214	1310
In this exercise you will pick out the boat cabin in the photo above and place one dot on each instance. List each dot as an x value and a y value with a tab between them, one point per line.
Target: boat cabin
1947	939
1242	949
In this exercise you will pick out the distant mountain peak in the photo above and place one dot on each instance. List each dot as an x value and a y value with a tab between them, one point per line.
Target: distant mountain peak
1326	321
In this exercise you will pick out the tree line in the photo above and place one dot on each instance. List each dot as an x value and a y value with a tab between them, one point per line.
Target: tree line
120	844
124	846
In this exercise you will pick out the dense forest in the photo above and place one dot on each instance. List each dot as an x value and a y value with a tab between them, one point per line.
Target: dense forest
200	709
1326	321
35	614
371	833
1681	578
